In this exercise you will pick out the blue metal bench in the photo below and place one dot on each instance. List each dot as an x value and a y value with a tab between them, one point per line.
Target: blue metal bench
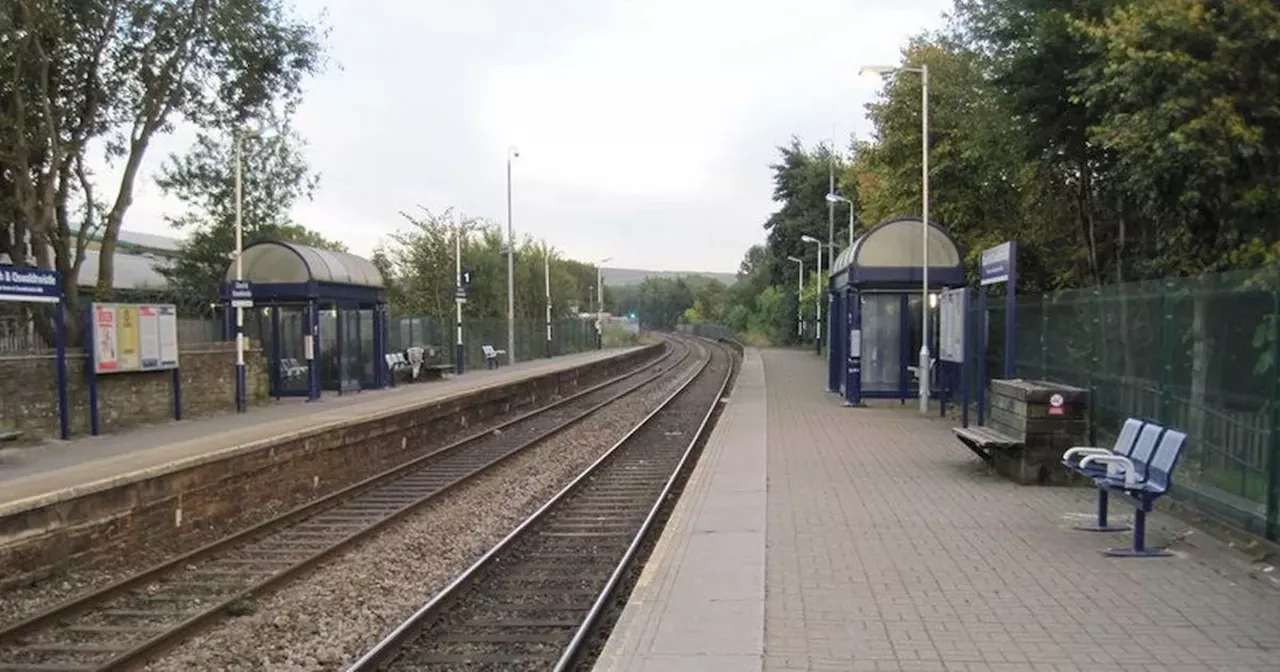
1141	476
1132	439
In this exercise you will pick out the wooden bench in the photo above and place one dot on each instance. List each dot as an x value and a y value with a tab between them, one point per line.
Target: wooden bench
421	363
7	435
1140	474
985	441
491	356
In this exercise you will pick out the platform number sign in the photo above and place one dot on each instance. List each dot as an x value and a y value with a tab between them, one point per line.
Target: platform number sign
466	277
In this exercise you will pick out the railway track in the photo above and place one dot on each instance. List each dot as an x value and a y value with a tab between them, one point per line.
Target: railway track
126	622
532	601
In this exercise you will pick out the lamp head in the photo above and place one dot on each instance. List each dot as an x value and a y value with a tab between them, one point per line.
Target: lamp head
809	239
795	259
877	69
836	198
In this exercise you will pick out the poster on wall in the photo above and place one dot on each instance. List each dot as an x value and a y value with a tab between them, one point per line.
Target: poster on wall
952	305
127	321
149	339
167	328
105	356
134	337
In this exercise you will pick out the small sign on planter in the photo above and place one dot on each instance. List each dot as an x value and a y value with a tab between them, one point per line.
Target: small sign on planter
1055	404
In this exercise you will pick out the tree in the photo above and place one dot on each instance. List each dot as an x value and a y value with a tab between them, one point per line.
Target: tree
114	74
273	177
419	265
1183	97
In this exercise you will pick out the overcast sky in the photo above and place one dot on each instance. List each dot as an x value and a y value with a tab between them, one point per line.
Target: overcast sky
645	127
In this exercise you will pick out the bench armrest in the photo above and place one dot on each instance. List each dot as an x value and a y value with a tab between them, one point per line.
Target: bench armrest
1117	465
1084	450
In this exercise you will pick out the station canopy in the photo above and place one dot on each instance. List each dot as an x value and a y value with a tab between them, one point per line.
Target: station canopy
891	253
277	263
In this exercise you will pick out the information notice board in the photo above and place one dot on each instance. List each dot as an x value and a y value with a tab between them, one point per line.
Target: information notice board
129	337
952	306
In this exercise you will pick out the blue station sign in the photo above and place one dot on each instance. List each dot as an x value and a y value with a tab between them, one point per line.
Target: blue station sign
997	264
29	285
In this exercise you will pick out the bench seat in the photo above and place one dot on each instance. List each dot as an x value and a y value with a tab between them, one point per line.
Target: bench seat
10	434
985	441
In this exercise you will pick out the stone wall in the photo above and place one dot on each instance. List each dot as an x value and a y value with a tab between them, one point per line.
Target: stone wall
29	391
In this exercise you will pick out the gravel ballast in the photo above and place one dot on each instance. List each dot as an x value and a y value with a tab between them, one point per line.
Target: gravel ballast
329	617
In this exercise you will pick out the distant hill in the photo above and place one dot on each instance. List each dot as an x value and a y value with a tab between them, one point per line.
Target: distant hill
621	277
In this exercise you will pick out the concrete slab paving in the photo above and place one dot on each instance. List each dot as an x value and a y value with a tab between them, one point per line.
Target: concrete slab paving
886	545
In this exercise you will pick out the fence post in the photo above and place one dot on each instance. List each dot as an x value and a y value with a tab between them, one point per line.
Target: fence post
1044	336
1095	350
1272	529
1166	354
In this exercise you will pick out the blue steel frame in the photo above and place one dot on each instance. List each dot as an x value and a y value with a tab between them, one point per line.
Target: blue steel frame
1008	274
31	290
318	296
847	285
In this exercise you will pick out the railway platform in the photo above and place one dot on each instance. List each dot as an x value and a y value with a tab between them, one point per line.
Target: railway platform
816	537
30	476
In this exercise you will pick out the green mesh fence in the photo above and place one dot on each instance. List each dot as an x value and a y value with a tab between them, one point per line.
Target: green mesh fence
1196	354
567	336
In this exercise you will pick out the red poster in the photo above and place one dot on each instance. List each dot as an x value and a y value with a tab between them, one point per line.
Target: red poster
106	353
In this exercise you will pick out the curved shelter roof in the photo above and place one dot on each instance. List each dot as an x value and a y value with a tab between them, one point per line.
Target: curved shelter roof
890	255
279	270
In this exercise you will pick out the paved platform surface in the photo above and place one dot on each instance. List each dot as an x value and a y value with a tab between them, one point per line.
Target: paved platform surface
887	545
32	472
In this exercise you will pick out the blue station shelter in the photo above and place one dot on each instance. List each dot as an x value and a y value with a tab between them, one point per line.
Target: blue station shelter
320	315
875	302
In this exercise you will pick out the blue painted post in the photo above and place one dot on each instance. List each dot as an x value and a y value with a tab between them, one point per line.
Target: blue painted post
836	345
313	362
177	394
966	368
853	356
91	369
980	344
60	342
1011	313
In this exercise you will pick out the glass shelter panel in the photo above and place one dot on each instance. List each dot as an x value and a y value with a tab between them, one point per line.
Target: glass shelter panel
365	334
881	342
328	354
291	369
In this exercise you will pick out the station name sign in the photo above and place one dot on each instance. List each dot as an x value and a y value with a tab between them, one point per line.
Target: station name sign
29	285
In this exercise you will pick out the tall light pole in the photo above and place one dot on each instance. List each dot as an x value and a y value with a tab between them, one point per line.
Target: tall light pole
817	300
837	198
799	293
241	379
546	274
924	179
512	153
831	237
242	383
459	350
600	302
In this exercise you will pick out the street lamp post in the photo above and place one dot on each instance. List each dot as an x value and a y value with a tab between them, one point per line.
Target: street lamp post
512	153
799	293
546	274
923	70
817	300
837	198
241	379
459	351
600	302
242	384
